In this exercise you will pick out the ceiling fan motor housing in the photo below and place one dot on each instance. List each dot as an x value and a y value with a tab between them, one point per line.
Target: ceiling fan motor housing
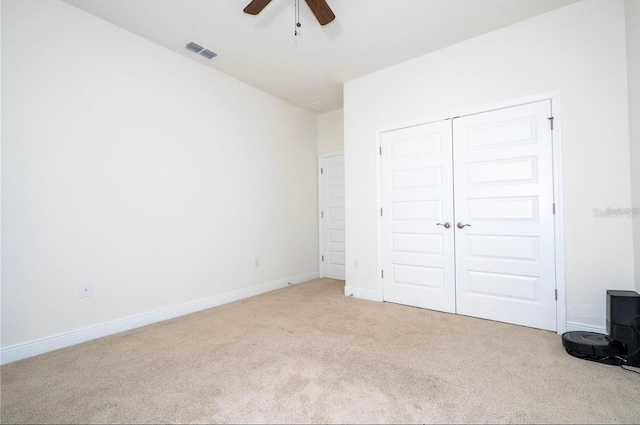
320	9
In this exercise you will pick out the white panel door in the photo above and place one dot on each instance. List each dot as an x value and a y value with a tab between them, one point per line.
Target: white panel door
332	217
505	267
417	195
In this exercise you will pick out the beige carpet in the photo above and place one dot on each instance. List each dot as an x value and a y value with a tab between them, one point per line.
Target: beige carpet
309	354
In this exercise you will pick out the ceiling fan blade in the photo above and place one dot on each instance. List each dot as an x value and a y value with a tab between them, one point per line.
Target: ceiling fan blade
321	9
256	6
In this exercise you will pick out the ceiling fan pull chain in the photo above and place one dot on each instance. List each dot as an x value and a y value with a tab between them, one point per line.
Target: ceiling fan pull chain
296	11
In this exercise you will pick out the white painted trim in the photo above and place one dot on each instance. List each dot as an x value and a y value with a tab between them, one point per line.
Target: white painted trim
471	111
67	339
378	154
321	157
554	97
574	326
558	198
363	294
329	154
320	262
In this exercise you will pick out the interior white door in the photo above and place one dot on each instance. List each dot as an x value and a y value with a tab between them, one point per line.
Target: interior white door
417	195
505	267
332	217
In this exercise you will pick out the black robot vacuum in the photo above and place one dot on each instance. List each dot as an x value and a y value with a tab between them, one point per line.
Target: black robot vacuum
622	345
593	346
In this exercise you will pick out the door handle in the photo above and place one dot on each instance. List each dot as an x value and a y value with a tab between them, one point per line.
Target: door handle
461	225
446	225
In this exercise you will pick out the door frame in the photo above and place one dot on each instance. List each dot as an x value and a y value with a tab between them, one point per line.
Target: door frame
321	157
558	197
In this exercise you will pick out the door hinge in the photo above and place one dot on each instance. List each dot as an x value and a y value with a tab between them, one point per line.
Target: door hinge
554	209
551	122
323	258
556	295
382	273
380	150
321	170
380	212
321	214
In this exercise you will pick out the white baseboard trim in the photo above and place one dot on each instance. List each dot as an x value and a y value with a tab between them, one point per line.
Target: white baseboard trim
574	326
67	339
363	294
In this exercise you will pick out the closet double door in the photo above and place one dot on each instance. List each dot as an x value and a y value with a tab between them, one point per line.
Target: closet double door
468	216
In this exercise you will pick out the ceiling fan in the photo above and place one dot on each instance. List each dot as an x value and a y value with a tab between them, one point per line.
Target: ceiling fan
320	8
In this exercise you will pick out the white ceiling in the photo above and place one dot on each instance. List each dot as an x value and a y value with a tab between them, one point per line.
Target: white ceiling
262	50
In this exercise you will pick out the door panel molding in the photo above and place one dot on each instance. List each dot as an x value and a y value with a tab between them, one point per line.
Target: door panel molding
502	289
558	218
333	265
417	192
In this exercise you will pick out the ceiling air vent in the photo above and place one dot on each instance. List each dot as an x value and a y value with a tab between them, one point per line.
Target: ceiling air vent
318	106
196	48
208	54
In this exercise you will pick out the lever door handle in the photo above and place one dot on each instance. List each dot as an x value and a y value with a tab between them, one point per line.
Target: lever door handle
446	225
461	225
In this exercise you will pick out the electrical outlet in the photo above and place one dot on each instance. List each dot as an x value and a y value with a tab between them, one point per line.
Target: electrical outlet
85	290
256	262
356	264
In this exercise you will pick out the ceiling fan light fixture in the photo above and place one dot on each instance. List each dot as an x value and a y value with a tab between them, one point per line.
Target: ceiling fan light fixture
320	9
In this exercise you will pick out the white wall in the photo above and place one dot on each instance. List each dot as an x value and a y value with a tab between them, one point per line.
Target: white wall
331	132
580	50
147	174
1	70
632	8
